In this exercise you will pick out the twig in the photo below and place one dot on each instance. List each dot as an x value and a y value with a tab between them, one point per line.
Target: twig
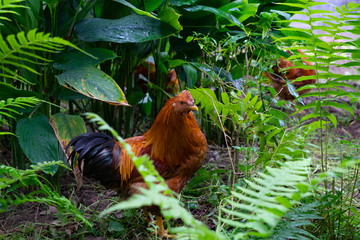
226	142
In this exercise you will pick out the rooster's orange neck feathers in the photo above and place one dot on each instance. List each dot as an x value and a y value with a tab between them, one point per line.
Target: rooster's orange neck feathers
173	135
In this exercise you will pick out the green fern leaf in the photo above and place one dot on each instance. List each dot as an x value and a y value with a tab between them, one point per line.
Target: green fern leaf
6	7
26	48
261	205
325	54
10	107
290	227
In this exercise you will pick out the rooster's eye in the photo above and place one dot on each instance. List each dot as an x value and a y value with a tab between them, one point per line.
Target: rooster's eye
182	103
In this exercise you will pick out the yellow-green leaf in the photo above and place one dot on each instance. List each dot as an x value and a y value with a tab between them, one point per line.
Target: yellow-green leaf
67	127
94	83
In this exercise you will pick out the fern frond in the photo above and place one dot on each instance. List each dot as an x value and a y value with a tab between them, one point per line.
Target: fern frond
292	224
339	48
260	206
6	7
10	107
23	48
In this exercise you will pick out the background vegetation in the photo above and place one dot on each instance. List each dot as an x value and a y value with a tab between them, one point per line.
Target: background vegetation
271	172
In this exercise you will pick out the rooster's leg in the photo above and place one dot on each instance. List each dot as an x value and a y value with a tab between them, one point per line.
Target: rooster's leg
162	233
148	217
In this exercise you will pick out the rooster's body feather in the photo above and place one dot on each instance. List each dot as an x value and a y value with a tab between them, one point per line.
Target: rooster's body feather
279	78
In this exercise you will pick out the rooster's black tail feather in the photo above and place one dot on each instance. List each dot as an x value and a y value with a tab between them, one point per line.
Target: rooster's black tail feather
95	151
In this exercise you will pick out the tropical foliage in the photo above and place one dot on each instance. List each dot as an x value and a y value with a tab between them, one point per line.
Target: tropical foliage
279	175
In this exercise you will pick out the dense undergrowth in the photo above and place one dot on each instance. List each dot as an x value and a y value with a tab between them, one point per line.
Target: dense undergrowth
272	172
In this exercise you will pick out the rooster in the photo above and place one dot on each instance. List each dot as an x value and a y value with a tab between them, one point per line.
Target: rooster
147	71
175	144
279	78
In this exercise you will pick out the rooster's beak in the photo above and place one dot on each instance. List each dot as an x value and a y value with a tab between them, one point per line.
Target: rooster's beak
193	108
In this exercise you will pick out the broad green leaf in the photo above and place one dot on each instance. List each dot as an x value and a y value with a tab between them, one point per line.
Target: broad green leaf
69	95
77	59
67	127
38	141
138	11
191	75
217	12
241	9
130	29
151	5
94	83
176	62
146	104
135	97
171	17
